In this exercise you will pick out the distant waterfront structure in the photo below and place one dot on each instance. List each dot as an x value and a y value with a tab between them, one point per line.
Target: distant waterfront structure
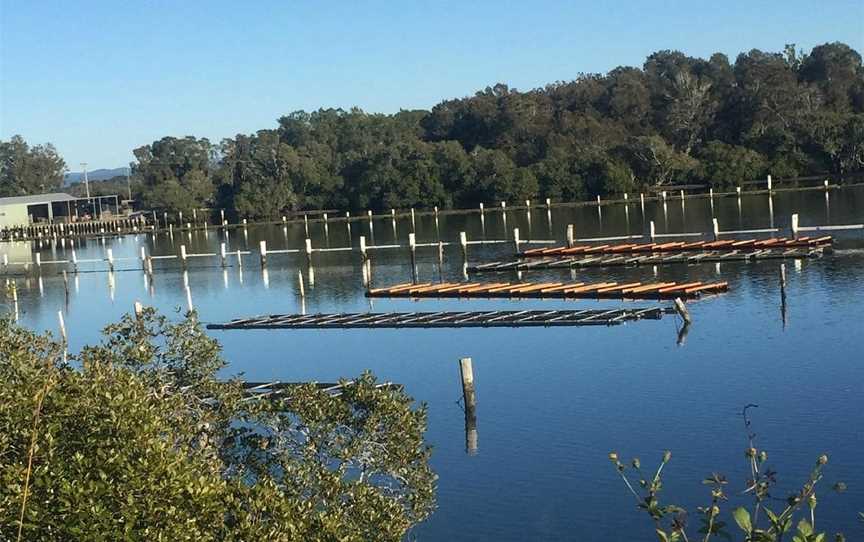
55	208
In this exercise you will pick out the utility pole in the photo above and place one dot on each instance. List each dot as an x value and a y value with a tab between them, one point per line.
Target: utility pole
129	183
86	181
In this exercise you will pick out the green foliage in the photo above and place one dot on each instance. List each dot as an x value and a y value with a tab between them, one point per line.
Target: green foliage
176	174
28	170
724	165
137	440
761	525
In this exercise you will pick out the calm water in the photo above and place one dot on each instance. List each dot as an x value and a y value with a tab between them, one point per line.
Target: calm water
551	402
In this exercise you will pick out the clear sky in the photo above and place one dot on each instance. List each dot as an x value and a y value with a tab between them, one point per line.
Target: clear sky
98	78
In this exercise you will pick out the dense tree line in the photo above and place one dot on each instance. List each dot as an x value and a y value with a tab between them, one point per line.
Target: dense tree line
29	170
677	119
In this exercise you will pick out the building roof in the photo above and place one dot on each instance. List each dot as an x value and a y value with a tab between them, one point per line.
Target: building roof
37	199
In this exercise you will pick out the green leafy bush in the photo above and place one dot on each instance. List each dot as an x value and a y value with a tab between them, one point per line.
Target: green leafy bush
796	516
136	439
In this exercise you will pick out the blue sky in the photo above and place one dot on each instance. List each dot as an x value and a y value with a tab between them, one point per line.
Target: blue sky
98	78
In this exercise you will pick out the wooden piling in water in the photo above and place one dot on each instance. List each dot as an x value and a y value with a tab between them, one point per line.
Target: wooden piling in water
469	396
681	309
783	282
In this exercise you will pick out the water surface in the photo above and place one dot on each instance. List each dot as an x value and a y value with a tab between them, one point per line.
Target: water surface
552	402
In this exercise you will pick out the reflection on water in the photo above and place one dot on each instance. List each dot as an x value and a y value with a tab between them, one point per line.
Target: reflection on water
554	401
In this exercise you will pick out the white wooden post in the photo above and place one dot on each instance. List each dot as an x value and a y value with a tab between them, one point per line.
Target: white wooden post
795	226
770	187
363	254
716	228
463	240
263	249
110	254
516	239
571	235
183	255
223	254
651	231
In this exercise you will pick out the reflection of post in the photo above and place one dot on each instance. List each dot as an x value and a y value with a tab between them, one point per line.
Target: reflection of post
682	334
470	399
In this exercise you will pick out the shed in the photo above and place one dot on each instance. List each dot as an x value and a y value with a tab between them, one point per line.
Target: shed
23	210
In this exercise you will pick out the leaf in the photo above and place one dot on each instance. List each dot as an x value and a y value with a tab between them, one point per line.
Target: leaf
805	528
662	536
742	518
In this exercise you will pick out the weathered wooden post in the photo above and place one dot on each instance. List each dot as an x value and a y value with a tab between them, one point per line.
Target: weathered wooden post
463	241
716	225
413	223
139	309
469	396
738	191
309	251
110	258
300	284
571	235
150	266
663	195
179	217
440	251
74	261
598	199
770	187
548	203
223	255
412	247
503	205
651	231
143	255
826	185
528	203
682	195
38	262
795	226
642	201
222	216
783	282
681	309
62	329
66	283
183	256
263	249
481	208
516	239
5	263
239	259
363	254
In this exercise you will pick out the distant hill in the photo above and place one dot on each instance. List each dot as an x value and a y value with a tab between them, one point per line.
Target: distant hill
95	175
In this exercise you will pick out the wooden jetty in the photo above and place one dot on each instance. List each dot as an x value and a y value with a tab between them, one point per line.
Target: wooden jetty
451	319
725	245
634	259
628	290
